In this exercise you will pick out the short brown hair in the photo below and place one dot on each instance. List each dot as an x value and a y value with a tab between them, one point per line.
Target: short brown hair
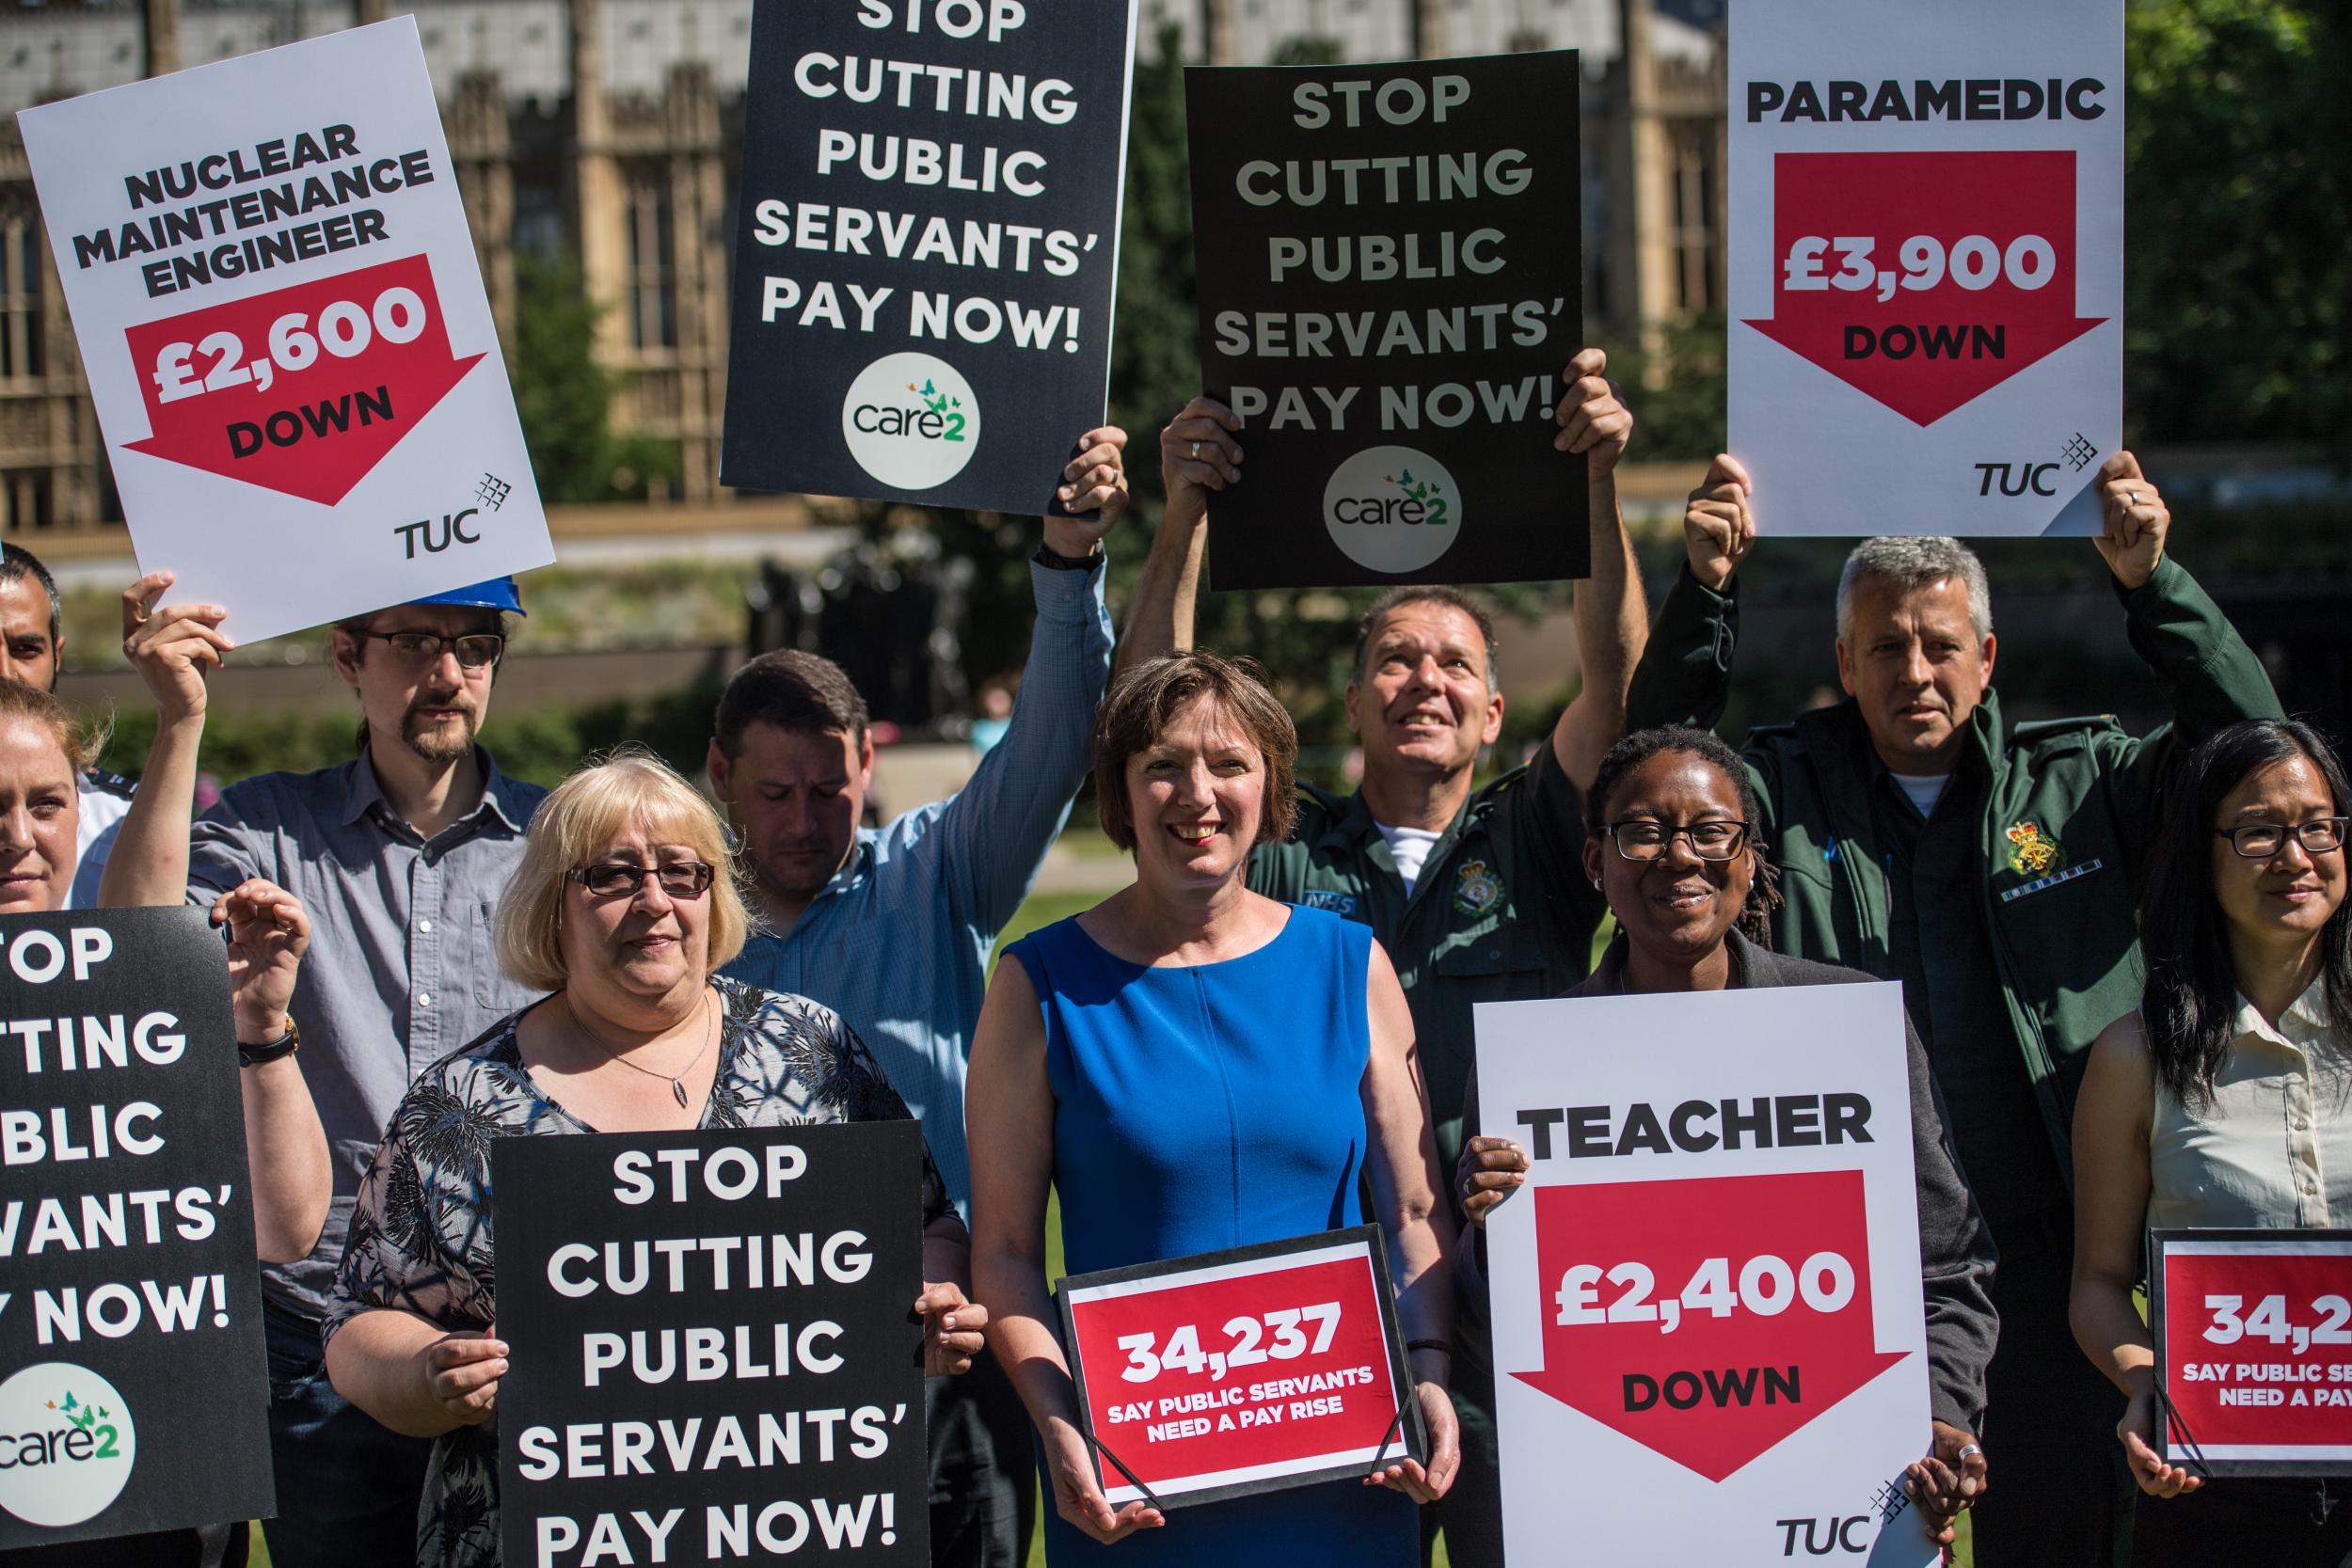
1138	706
793	690
1426	593
603	798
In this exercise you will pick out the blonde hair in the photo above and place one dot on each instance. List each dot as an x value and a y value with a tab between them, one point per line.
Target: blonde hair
80	743
602	799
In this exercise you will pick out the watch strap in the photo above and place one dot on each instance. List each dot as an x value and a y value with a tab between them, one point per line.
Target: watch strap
269	1050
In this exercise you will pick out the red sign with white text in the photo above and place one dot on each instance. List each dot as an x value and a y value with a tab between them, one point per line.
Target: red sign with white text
1707	1319
302	389
2254	1347
1242	1371
1924	279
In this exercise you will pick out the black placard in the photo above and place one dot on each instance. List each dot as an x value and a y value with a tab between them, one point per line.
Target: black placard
1390	288
133	1388
778	1414
926	246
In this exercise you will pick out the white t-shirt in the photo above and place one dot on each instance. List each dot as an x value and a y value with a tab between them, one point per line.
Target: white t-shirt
105	800
1410	846
1925	789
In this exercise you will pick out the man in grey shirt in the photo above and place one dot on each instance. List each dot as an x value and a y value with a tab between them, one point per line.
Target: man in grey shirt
401	855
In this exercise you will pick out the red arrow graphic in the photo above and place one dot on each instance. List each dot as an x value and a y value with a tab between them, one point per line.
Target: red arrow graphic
1924	279
304	389
1707	1319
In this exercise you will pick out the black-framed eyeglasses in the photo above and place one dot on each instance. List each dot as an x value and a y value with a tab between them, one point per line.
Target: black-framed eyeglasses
1642	839
680	878
2259	840
422	650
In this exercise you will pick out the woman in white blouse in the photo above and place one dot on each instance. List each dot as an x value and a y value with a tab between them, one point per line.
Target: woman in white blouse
2225	1101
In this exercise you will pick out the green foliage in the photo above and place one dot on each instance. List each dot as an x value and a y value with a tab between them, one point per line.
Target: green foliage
1677	394
2239	188
562	392
540	744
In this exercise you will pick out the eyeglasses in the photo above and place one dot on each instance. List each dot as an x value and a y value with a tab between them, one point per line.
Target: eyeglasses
2259	840
1642	839
680	878
421	650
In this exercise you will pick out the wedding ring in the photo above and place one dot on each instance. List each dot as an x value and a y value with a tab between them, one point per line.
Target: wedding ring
2131	498
1196	448
1969	1449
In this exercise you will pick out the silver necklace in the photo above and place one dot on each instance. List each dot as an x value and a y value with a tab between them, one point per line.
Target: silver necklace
678	1084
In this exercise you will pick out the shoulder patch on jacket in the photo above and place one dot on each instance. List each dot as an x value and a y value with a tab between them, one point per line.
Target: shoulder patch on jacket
102	783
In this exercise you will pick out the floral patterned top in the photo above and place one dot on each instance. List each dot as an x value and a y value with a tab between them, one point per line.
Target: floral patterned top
421	1234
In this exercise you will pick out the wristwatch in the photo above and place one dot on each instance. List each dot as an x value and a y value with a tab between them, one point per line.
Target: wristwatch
1047	556
269	1050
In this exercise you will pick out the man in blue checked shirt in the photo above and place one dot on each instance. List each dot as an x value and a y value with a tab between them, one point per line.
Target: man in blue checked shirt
892	928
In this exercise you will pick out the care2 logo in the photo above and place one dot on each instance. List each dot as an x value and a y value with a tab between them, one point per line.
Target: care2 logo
67	1444
1392	508
911	421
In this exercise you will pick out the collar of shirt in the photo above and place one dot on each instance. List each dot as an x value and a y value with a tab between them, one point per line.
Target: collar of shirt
2303	1024
1354	827
365	793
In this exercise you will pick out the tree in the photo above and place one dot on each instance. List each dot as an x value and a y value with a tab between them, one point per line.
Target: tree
564	396
2238	180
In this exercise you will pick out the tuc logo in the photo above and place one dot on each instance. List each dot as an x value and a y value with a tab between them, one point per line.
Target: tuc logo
66	1444
911	421
1392	508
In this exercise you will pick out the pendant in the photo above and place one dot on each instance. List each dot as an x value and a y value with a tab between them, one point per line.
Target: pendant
678	1088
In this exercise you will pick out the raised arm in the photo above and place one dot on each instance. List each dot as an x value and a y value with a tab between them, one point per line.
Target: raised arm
2209	677
285	1147
1612	619
2112	1115
1008	1118
171	648
1685	673
1403	1165
1199	452
989	839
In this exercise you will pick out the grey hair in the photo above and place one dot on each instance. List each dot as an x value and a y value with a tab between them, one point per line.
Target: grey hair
1914	561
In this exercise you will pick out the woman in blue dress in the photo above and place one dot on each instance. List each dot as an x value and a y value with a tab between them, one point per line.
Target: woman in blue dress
1194	1067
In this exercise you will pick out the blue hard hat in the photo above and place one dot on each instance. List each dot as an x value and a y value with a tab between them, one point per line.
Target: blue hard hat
498	593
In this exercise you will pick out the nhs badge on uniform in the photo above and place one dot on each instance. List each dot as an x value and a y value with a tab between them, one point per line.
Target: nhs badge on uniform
1324	898
1477	889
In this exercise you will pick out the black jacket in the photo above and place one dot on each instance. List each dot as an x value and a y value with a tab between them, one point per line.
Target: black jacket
1956	1255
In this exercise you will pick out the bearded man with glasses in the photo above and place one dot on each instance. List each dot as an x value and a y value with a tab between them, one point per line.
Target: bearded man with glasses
401	855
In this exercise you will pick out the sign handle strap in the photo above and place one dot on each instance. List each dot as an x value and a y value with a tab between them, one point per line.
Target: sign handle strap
1133	1480
1396	1430
2176	1423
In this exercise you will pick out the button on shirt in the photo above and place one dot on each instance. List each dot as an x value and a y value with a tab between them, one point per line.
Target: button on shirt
897	943
2274	1148
401	970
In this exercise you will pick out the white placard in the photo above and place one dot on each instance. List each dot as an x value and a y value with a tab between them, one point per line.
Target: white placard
1926	265
1710	1343
285	333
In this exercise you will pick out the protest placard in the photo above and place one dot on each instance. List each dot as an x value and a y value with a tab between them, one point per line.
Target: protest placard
285	333
714	1350
1245	1370
1926	263
1707	1299
927	247
134	1391
2254	1350
1388	261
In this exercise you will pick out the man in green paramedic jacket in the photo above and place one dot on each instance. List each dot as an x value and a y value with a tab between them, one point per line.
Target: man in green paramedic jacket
1478	895
1991	869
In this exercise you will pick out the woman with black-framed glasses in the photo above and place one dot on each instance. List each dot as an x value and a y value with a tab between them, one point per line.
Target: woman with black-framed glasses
624	908
1668	841
2224	1100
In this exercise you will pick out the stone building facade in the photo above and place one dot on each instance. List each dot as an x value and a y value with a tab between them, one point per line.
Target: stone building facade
610	131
